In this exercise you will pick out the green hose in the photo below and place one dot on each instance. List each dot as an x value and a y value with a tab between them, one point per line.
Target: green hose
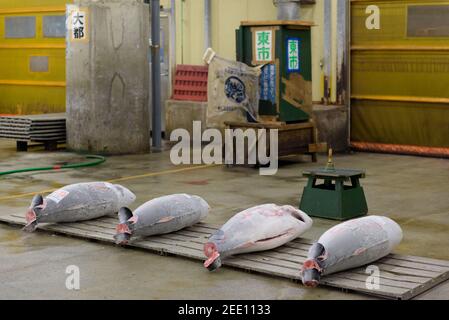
98	160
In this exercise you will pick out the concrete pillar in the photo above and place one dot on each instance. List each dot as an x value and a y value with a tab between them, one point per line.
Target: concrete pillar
108	79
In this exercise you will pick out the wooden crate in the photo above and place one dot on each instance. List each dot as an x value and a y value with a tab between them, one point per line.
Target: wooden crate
293	139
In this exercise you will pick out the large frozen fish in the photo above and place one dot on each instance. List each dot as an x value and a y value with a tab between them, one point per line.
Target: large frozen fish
160	216
256	229
78	202
351	244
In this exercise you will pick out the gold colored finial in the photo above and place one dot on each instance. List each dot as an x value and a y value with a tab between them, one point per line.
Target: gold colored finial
330	163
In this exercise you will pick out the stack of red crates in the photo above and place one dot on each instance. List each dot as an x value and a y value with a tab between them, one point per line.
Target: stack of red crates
190	83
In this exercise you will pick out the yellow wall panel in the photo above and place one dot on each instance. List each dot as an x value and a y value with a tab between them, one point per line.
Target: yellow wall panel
23	91
21	4
399	74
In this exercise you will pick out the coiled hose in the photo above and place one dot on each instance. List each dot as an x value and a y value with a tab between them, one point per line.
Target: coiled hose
98	160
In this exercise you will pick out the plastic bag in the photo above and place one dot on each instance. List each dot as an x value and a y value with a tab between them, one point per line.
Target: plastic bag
233	91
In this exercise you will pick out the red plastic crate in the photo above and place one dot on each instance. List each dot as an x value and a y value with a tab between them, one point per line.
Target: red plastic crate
190	83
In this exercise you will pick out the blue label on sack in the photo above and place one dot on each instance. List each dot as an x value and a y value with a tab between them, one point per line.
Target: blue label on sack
235	90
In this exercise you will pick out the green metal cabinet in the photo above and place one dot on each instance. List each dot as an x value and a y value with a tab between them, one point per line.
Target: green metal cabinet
286	80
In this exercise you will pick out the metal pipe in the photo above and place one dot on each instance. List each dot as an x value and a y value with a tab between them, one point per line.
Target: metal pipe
207	25
348	68
156	74
327	50
342	52
287	9
172	44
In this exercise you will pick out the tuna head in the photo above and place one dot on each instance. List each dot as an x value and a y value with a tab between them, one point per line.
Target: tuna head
33	212
125	196
299	215
313	266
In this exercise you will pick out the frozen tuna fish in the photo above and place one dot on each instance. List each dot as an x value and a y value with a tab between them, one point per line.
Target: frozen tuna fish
78	202
256	229
351	244
160	216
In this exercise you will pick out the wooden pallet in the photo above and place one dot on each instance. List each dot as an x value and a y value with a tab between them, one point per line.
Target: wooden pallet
49	129
401	277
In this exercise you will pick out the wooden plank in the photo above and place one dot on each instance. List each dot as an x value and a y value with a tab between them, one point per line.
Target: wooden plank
407	271
304	241
299	246
294	267
167	249
384	291
292	251
278	22
318	147
401	277
386	282
391	276
413	265
282	256
286	127
262	268
434	262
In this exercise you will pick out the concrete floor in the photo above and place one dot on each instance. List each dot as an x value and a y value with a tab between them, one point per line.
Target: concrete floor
411	190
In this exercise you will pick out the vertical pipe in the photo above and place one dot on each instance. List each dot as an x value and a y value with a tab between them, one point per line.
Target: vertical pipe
207	24
156	73
349	66
182	31
327	50
172	44
342	52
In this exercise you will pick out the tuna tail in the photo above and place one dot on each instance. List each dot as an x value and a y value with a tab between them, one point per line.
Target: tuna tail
32	213
312	267
214	261
311	277
123	234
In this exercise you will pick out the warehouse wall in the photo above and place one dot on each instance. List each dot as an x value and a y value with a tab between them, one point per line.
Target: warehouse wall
28	96
226	18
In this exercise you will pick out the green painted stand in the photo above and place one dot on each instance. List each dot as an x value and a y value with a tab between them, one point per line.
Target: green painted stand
334	199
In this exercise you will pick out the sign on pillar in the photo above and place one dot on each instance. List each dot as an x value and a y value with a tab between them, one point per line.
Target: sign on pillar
78	23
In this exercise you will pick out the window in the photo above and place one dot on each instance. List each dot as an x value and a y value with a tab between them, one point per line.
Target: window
39	64
428	21
20	27
54	26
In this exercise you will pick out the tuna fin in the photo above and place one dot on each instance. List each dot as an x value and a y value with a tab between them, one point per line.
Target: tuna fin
124	215
30	227
166	219
37	201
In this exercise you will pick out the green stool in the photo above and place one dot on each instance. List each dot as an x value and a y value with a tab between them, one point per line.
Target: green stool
334	199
